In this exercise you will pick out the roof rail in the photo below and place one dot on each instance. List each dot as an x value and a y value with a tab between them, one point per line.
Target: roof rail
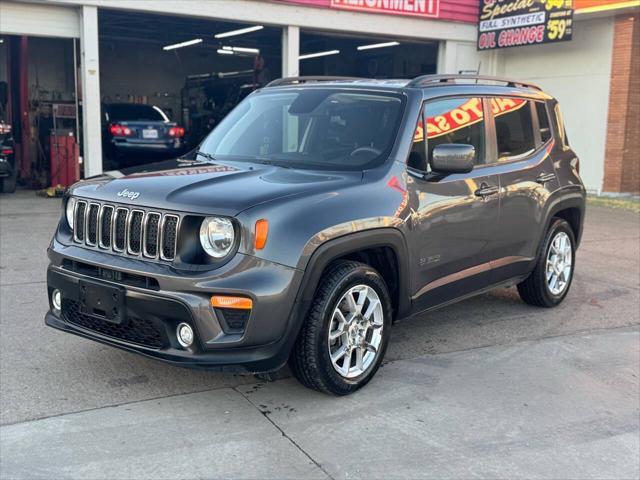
434	80
297	80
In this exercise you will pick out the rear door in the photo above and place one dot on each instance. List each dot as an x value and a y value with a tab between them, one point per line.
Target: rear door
523	143
455	216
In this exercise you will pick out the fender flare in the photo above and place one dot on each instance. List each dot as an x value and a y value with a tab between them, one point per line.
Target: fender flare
339	247
564	200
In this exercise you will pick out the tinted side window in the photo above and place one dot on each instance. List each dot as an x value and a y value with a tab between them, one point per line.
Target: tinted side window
514	128
543	121
456	120
417	158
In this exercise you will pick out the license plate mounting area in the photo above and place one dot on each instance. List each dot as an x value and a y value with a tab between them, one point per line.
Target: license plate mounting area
103	301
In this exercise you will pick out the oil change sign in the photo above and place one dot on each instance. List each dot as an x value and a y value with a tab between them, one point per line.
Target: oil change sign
513	23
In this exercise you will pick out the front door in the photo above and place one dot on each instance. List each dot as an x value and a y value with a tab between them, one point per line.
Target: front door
454	217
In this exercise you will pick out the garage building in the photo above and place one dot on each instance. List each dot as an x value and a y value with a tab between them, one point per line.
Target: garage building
63	60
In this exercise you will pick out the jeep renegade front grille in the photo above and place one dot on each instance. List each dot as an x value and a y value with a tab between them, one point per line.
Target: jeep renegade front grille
132	232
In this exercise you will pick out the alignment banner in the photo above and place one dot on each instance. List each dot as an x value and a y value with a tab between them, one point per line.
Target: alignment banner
513	23
421	8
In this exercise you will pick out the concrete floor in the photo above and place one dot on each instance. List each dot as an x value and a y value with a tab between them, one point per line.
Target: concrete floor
489	387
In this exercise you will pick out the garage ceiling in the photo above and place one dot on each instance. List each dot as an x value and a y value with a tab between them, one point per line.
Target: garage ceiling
166	30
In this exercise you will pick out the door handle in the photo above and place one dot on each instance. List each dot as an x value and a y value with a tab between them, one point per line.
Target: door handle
545	177
485	191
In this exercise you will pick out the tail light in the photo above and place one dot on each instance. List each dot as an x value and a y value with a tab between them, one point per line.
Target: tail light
177	132
118	130
6	151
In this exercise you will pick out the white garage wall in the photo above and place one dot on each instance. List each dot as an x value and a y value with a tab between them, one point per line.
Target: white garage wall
577	73
19	18
456	56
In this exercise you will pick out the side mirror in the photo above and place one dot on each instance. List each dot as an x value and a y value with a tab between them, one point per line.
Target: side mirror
453	158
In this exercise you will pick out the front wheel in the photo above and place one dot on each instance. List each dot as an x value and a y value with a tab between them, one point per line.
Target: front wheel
345	336
550	280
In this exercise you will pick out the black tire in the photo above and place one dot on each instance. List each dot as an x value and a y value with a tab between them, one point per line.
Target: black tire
534	290
310	361
8	184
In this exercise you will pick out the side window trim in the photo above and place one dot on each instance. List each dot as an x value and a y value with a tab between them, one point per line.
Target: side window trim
535	123
421	118
491	139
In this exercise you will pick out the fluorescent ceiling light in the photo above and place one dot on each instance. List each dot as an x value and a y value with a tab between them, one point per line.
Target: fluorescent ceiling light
225	52
231	74
241	49
238	32
183	44
245	49
318	54
378	45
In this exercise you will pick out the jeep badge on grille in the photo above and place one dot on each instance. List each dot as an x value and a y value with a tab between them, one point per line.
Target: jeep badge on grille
128	194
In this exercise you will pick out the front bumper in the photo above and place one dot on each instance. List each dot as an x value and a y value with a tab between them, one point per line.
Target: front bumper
155	308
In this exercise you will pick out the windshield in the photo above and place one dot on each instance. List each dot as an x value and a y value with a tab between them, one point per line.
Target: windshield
309	128
135	112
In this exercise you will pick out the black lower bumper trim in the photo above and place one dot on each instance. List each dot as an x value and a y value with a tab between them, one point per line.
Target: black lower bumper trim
164	314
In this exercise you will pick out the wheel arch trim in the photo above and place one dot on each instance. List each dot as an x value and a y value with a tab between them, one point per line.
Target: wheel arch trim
339	247
564	201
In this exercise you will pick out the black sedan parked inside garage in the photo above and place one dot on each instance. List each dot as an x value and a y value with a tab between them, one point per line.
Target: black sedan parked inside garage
135	133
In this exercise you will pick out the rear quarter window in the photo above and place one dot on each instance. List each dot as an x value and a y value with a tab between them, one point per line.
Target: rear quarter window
543	121
562	133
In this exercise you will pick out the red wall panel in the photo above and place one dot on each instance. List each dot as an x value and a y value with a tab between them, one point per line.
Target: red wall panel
452	10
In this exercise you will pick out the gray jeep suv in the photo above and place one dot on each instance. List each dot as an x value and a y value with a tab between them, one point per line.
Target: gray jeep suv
316	214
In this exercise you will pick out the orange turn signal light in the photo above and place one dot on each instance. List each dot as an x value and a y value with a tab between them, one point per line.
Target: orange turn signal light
262	231
238	303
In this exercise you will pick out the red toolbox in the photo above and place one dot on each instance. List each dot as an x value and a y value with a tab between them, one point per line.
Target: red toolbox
65	160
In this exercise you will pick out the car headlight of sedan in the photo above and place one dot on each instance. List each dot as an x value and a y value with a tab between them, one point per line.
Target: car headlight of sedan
69	211
217	236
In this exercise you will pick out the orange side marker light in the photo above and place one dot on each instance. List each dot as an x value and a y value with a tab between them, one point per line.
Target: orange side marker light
237	303
262	232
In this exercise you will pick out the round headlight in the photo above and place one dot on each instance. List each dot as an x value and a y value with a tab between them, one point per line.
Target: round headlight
216	236
71	205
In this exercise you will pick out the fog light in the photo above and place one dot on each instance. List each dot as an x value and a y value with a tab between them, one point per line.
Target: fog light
56	300
185	335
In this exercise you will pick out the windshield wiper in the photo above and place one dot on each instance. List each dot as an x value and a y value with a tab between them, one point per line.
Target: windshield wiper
264	161
206	155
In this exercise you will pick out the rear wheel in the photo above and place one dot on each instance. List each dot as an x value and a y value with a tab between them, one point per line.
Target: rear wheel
550	280
345	336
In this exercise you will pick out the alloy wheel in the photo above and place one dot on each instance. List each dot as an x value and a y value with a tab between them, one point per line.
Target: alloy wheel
355	331
559	263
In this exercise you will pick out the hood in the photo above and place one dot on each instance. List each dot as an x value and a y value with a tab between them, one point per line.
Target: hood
207	188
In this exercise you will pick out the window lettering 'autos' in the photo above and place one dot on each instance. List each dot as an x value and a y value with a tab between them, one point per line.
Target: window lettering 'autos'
466	114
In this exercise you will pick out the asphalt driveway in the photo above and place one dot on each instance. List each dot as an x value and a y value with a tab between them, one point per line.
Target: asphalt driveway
489	387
